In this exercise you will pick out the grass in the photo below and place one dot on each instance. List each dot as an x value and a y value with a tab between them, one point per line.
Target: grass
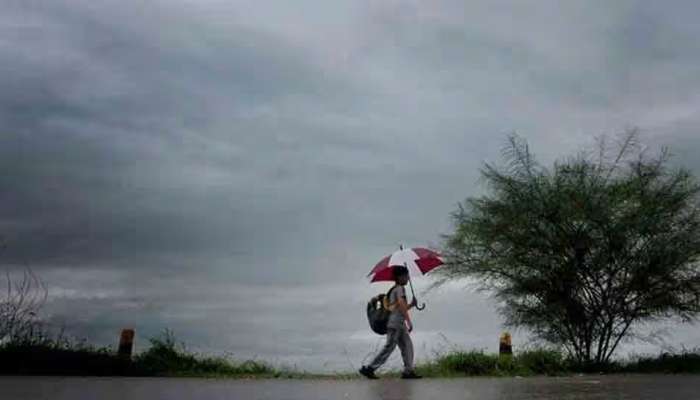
553	363
684	362
166	357
51	359
478	363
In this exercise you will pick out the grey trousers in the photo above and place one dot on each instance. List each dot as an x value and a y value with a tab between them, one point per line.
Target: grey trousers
395	337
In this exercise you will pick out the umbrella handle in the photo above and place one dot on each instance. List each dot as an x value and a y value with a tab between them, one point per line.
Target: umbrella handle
418	307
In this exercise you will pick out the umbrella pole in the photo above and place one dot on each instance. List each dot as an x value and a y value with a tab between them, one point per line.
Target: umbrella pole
422	306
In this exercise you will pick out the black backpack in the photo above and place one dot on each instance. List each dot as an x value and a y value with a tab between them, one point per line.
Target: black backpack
378	313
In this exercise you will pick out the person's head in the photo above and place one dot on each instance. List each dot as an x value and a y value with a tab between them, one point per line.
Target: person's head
400	275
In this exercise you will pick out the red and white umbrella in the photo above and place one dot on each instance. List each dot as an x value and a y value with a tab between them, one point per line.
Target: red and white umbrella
417	260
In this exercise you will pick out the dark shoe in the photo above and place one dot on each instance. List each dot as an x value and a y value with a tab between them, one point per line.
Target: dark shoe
410	375
368	373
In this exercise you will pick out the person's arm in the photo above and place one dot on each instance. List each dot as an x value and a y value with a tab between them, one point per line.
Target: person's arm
403	309
414	303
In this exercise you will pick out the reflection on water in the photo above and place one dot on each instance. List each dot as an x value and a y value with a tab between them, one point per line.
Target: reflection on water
394	389
642	387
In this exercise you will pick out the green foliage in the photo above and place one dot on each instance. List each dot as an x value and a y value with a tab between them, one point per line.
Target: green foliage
508	365
683	362
60	358
469	363
581	252
478	363
543	362
165	357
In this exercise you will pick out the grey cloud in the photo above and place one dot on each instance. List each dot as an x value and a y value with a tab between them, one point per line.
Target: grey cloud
113	172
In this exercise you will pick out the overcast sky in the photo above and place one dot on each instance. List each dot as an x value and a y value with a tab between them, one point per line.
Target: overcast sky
232	170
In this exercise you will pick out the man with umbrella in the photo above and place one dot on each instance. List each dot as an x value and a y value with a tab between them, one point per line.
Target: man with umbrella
399	325
398	329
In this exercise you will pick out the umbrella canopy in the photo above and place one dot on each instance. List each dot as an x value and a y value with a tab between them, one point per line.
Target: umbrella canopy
417	259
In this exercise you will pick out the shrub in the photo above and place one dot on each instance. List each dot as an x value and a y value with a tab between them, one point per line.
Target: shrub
167	357
65	359
477	363
542	362
469	363
684	362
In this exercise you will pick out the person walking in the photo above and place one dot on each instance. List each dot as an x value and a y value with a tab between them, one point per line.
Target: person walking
399	327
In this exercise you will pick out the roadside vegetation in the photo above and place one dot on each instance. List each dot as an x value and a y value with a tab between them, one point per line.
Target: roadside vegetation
684	362
166	357
547	362
479	363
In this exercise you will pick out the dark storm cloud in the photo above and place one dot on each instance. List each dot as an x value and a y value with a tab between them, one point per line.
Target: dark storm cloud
126	141
174	164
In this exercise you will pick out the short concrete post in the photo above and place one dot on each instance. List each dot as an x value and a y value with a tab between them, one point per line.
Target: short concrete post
505	346
126	343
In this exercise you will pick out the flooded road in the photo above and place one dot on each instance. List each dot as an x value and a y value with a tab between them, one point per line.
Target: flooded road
641	387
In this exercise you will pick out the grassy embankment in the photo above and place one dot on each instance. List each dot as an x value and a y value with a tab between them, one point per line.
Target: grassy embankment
553	363
163	358
166	358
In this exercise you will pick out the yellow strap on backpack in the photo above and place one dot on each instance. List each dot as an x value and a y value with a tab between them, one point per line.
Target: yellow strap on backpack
385	302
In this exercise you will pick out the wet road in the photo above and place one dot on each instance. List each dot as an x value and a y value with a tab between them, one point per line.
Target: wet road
663	387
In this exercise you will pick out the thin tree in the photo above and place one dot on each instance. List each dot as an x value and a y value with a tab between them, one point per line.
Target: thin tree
19	308
585	251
